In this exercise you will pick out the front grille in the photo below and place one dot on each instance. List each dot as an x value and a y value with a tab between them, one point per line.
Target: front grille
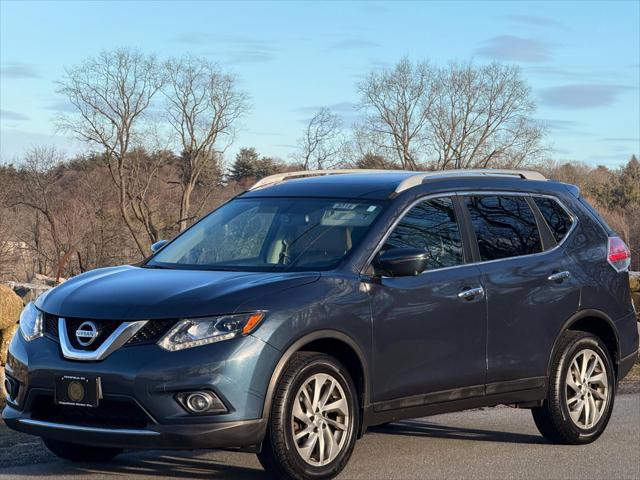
105	328
51	326
153	331
150	333
110	413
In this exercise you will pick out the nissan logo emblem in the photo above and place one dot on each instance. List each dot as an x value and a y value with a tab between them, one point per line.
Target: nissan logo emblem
87	333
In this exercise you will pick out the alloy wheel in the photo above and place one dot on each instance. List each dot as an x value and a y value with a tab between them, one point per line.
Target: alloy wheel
587	389
320	420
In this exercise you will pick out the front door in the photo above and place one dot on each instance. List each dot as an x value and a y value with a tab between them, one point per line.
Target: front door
429	330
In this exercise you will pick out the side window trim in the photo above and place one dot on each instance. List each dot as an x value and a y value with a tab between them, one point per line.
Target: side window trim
472	234
458	208
546	236
574	218
469	240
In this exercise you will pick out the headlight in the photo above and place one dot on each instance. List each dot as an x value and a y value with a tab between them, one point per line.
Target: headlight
202	331
31	322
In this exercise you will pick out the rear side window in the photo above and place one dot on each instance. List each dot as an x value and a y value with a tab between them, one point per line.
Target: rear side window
505	226
432	227
556	217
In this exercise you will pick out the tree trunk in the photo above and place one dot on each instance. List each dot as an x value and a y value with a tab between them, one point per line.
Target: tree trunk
185	206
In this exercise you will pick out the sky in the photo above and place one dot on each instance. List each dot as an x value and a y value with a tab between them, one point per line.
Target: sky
581	60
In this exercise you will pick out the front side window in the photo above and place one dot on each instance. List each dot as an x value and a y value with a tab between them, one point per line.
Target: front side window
505	226
271	234
556	217
430	226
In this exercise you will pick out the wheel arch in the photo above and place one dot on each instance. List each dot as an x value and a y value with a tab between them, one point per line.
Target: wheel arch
336	344
597	323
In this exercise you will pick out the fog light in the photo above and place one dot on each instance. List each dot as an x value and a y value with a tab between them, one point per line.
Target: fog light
198	402
11	387
202	402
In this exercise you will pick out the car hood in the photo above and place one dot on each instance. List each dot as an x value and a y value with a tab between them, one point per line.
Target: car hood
136	293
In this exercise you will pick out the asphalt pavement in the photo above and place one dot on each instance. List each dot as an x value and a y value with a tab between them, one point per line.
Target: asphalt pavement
492	443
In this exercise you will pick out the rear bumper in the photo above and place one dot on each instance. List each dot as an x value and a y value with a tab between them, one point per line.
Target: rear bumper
626	364
239	434
628	339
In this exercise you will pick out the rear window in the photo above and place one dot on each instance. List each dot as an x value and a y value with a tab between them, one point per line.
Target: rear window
557	218
505	226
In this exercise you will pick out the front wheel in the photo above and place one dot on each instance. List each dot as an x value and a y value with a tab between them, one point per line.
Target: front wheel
581	391
80	453
313	419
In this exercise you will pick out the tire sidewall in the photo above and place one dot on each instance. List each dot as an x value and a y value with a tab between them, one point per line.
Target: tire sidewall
329	470
582	344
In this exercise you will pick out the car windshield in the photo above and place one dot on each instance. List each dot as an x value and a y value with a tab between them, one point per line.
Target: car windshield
265	234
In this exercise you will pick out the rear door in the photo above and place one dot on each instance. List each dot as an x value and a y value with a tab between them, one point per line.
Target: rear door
529	285
429	330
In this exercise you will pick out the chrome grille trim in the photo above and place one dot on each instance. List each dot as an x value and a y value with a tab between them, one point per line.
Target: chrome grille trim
119	337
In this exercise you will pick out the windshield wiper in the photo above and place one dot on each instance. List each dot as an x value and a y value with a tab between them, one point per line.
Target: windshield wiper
159	267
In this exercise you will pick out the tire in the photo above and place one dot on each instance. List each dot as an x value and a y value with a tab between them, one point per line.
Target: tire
576	411
282	456
80	453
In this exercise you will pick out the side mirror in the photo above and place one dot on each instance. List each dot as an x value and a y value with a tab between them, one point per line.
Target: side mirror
158	245
401	262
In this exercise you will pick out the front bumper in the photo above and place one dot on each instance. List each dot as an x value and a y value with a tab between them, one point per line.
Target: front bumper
139	385
240	434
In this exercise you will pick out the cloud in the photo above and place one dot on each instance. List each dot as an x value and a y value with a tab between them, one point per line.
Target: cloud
14	116
63	106
570	73
581	95
19	70
622	139
354	44
534	20
16	142
559	124
233	48
515	49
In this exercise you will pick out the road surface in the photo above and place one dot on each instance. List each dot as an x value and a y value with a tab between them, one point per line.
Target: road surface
491	443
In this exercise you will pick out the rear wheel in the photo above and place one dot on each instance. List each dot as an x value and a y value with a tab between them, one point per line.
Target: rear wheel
581	391
313	419
80	453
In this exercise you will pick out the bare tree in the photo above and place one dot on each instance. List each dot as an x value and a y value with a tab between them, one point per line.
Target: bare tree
203	105
481	117
58	226
110	94
321	142
8	218
460	116
397	104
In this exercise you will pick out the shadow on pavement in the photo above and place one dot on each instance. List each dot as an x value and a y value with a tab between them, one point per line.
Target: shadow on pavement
425	429
157	464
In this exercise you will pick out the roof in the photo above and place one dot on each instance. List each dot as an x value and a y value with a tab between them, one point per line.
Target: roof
372	184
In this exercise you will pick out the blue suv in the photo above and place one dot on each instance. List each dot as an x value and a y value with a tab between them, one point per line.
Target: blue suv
318	304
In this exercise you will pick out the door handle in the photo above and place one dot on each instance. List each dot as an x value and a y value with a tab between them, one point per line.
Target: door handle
471	293
559	276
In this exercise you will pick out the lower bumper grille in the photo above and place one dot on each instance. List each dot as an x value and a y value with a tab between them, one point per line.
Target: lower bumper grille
109	414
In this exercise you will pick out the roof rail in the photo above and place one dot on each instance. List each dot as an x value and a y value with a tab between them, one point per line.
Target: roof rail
281	177
419	178
411	181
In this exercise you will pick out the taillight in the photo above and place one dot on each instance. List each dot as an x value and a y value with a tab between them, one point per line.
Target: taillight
618	254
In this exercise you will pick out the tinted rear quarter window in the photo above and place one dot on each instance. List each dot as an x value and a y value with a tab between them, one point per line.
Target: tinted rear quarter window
432	227
505	226
556	217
